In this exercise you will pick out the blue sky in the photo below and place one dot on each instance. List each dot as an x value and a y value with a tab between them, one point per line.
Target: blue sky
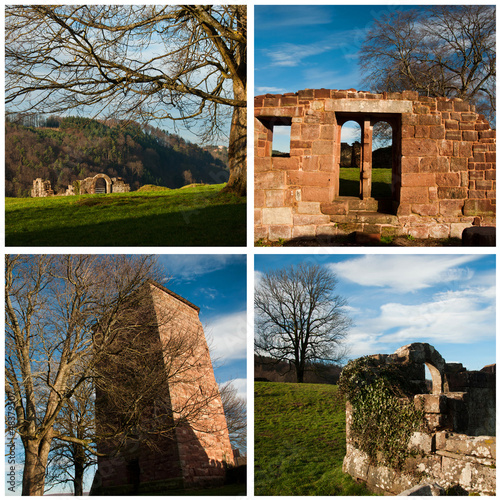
447	301
217	285
311	47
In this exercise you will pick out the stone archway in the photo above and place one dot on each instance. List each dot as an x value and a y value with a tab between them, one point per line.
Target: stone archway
425	354
98	186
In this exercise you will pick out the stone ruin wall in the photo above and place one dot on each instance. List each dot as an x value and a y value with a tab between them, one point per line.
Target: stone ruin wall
443	168
199	451
459	444
88	185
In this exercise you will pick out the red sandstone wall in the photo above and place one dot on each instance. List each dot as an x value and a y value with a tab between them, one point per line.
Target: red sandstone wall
446	172
203	440
197	449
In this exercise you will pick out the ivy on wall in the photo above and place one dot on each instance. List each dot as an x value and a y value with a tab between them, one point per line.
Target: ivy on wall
384	416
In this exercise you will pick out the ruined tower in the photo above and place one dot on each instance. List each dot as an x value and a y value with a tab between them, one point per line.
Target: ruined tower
159	414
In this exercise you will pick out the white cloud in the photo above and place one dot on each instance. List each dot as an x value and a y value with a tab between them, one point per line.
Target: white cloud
404	273
228	336
188	267
240	384
270	90
462	317
291	54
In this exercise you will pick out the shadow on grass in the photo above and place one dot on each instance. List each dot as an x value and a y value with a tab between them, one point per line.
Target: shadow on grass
219	225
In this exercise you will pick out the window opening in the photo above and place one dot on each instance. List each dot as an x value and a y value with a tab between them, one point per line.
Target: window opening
382	161
281	140
428	379
350	159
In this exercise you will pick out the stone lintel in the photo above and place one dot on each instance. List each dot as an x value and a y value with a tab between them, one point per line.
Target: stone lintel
366	106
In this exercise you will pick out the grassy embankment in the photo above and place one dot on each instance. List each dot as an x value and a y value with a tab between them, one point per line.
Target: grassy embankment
300	441
190	216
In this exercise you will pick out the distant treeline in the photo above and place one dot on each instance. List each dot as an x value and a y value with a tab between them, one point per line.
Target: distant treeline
64	149
271	370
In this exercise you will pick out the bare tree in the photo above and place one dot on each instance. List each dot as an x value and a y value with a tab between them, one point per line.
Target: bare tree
444	50
52	305
153	62
68	461
298	319
235	410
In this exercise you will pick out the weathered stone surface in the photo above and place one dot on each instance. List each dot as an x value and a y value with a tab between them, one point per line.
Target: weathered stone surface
424	490
439	451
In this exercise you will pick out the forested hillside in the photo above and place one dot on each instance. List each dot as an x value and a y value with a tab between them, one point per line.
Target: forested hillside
63	150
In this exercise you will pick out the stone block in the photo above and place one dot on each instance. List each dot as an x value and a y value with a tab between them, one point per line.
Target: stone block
380	478
257	216
323	148
275	198
335	208
437	132
451	208
422	442
445	148
326	164
439	231
260	232
426	210
419	147
422	131
280	232
320	194
326	230
303	231
422	179
277	216
309	207
452	193
259	198
308	219
414	195
436	164
315	179
431	403
458	164
424	490
479	207
450	179
270	180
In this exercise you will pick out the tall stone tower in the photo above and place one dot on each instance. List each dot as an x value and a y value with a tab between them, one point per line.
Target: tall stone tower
159	413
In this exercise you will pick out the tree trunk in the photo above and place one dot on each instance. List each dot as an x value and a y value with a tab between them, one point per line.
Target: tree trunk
237	150
35	463
79	458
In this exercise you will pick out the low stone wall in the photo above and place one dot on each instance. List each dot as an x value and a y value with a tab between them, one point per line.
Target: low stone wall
456	446
448	459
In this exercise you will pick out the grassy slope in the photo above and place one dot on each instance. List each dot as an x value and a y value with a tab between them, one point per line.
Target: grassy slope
300	441
195	216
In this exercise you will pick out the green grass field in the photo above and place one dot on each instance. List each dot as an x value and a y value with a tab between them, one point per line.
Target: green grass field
192	216
300	441
381	182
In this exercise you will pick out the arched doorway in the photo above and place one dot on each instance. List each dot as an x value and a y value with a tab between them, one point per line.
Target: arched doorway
101	184
350	159
382	158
